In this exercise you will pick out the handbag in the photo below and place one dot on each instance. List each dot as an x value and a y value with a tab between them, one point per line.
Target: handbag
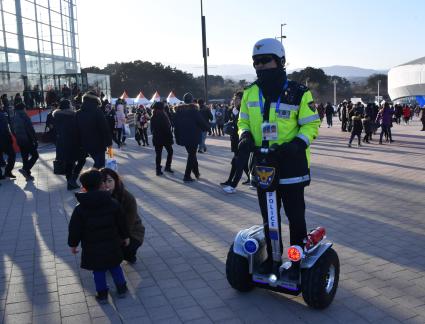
229	128
127	130
15	144
111	162
59	167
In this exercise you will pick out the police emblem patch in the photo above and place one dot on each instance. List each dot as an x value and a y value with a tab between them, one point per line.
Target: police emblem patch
312	106
258	46
265	176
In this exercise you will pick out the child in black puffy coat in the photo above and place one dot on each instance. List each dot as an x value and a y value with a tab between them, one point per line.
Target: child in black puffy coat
98	223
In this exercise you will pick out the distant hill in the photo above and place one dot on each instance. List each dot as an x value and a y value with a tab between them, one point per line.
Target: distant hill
246	72
351	71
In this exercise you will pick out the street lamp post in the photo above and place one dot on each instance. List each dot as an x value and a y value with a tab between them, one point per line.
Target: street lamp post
205	54
379	101
281	33
334	81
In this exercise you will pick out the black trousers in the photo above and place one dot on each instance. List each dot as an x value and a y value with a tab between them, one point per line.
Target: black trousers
130	250
192	161
72	169
344	124
292	197
329	120
143	133
11	158
387	131
158	151
239	164
353	135
26	152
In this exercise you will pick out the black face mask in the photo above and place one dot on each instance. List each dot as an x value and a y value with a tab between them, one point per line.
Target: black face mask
271	81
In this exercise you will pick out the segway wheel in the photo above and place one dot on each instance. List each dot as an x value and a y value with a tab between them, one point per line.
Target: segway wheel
320	282
237	271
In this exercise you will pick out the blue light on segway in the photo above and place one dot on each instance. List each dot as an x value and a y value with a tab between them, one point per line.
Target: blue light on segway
251	246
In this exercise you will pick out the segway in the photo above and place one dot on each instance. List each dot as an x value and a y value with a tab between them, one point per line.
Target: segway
319	263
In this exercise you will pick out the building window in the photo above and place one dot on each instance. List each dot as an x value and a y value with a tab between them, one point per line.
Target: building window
10	23
9	6
32	64
29	27
14	64
12	41
28	10
31	44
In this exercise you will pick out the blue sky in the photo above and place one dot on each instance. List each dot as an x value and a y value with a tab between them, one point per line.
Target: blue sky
375	34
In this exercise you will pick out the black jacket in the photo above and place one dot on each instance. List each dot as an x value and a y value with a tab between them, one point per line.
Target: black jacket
206	114
188	125
161	129
23	129
93	129
68	144
5	137
99	224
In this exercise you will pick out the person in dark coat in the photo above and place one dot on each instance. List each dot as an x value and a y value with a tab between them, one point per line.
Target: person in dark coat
98	223
368	129
113	184
329	112
207	116
26	139
161	137
356	128
188	126
68	143
240	158
93	129
6	146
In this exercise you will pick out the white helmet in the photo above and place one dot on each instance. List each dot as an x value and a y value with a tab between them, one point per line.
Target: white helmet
268	46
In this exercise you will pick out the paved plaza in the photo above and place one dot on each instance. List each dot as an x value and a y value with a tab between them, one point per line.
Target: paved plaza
370	199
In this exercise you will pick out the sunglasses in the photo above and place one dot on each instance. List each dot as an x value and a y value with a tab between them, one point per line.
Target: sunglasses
262	60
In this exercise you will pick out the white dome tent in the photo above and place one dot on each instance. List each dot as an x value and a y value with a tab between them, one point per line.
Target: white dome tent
141	100
408	80
155	98
172	99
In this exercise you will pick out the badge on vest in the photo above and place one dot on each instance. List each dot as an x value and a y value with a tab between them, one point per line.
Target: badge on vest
269	131
284	113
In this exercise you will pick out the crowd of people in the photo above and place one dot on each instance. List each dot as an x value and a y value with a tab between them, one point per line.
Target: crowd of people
106	222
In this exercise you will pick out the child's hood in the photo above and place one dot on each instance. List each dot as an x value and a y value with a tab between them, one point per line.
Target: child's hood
93	199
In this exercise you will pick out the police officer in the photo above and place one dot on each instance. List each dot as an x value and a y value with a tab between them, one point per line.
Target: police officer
279	113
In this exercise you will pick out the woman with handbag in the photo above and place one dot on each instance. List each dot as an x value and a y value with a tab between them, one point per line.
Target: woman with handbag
26	139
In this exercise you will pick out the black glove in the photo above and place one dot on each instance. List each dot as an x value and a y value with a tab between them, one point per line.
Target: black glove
293	147
246	142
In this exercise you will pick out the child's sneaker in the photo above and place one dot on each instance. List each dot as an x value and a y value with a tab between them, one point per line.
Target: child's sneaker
122	290
102	296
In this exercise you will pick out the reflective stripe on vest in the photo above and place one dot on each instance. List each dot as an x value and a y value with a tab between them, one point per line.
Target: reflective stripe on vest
252	104
243	115
294	180
308	119
304	138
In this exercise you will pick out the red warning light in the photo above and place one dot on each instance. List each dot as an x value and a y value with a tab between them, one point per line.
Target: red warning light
295	253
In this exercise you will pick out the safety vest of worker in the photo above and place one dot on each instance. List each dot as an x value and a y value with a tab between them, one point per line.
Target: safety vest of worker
295	115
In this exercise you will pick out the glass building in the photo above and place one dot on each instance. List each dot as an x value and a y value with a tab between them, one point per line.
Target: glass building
39	48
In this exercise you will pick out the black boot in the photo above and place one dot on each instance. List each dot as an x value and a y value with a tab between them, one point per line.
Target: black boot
122	290
168	169
72	184
158	171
